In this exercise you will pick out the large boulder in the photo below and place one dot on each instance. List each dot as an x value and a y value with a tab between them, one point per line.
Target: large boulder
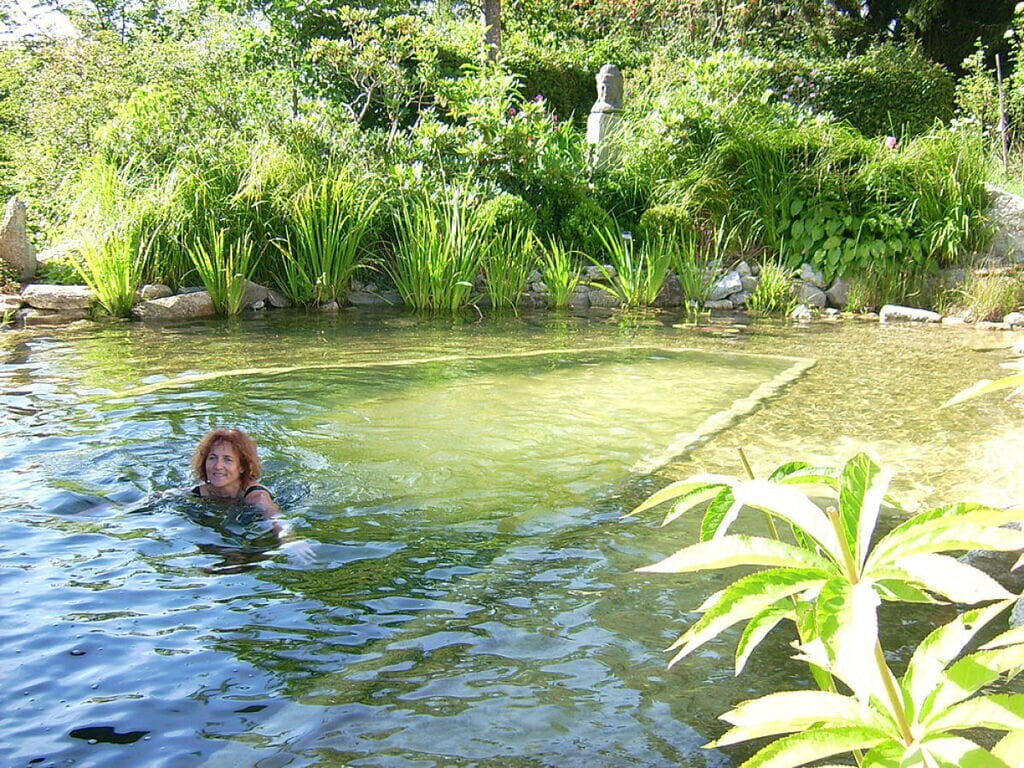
1006	214
62	298
184	306
15	249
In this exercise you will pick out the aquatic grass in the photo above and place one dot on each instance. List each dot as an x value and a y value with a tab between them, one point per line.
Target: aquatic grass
225	264
561	270
988	295
440	246
327	230
774	292
112	251
507	265
638	273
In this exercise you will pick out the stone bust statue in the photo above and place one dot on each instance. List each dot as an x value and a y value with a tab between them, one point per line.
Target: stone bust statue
609	90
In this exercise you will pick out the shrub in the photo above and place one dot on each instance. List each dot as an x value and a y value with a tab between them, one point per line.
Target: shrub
507	210
774	292
668	221
581	225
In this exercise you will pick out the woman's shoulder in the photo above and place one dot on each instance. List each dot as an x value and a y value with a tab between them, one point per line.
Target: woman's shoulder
256	487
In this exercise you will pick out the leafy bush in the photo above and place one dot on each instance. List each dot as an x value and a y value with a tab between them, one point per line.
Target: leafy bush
507	210
581	225
668	221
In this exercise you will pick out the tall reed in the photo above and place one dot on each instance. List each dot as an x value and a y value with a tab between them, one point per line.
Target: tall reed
561	269
440	246
639	272
225	264
329	226
112	253
774	292
507	265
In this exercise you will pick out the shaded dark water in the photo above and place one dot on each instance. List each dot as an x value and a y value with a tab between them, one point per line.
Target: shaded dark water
472	601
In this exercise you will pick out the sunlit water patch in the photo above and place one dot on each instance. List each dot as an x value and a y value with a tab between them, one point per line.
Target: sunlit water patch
473	600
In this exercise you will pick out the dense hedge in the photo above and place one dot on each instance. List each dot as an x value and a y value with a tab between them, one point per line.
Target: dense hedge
890	89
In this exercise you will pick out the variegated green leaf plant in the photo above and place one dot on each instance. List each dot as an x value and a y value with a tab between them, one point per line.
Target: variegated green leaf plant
829	577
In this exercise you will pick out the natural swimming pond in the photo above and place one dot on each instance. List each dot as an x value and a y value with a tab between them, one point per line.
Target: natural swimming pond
473	600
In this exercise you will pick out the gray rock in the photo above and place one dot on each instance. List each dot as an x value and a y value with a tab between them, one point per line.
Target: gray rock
58	297
30	316
152	291
10	302
801	312
892	313
813	276
184	306
254	294
330	306
727	285
953	320
278	300
809	294
15	249
743	269
839	294
831	313
580	298
594	274
739	299
1014	319
671	294
61	252
599	298
1006	214
749	283
719	304
535	277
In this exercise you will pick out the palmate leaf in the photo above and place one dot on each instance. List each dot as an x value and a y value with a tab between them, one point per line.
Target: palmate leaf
743	599
986	386
721	513
696	497
1010	749
970	674
954	752
956	527
790	505
814	744
862	487
927	665
739	549
792	711
999	711
942	575
759	626
683	488
847	623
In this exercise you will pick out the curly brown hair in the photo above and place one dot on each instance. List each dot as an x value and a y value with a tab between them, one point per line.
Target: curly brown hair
244	446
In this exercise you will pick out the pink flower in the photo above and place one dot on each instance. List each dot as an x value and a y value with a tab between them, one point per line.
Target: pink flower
512	111
891	142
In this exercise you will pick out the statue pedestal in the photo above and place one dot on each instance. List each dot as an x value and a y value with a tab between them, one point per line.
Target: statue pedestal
600	127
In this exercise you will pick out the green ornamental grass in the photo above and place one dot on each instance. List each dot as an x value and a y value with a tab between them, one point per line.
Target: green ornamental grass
225	264
440	246
561	270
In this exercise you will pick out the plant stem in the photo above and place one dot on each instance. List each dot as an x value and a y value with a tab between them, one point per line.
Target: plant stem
895	700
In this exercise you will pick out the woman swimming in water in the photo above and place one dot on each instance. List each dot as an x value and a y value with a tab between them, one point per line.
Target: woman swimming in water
228	467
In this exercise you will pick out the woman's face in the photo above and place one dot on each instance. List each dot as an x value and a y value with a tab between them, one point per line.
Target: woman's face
223	467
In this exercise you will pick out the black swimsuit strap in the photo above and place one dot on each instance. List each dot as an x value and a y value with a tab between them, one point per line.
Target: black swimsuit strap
252	488
197	490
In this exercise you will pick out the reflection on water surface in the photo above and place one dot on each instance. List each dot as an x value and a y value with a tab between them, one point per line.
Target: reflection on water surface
473	600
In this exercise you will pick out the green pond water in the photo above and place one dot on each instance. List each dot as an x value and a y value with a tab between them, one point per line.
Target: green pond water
472	601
